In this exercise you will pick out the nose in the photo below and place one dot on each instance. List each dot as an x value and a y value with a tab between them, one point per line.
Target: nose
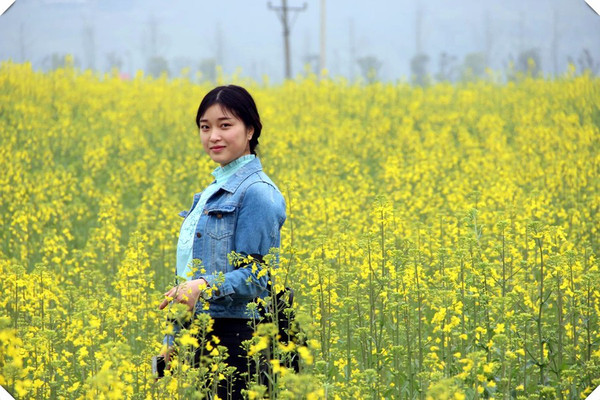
215	135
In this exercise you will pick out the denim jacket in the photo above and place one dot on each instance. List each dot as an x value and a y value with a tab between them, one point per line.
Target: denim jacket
245	216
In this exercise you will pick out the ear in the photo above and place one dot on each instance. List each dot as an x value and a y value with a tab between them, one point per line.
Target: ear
250	133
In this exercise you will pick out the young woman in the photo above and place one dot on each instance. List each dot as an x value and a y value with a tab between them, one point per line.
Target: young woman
241	211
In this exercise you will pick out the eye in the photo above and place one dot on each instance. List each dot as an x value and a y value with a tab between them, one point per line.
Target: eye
203	127
225	125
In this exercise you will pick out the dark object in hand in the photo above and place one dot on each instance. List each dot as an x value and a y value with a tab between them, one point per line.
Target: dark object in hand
158	366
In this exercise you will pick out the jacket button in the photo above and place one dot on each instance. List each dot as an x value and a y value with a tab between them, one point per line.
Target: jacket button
198	234
219	215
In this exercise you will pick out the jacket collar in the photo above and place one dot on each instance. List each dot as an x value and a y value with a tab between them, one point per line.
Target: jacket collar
236	180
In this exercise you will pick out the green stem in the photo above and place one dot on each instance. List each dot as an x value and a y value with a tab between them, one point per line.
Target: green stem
540	310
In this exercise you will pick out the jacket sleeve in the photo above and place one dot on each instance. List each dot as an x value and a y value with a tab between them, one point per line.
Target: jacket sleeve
260	218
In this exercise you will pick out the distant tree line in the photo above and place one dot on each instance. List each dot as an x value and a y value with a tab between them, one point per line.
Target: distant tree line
449	68
474	67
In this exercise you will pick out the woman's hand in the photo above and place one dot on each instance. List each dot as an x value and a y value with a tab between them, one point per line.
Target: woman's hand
185	293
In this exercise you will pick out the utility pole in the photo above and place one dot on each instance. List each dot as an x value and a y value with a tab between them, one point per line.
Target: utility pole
153	38
89	46
418	32
22	42
322	64
219	50
488	39
352	49
282	13
521	32
555	42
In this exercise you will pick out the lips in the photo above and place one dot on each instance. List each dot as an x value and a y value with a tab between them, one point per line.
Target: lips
217	148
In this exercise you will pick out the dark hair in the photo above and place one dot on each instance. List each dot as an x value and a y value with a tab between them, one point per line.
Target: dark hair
238	101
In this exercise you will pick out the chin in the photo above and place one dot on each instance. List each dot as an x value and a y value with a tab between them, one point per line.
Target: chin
222	161
218	158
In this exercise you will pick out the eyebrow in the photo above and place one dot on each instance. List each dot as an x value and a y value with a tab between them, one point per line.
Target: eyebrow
218	119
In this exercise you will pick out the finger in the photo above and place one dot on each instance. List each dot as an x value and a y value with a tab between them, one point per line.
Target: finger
178	299
163	304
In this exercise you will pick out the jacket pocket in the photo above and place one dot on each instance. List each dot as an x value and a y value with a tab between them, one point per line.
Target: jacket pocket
221	221
220	228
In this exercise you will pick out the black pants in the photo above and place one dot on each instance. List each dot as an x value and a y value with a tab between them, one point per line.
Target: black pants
231	333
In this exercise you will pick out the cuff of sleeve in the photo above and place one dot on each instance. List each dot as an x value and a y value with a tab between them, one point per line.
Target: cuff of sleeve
169	340
217	287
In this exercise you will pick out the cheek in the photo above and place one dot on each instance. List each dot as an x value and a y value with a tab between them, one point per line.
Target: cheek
204	141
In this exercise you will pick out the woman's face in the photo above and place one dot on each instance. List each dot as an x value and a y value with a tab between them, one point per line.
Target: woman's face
224	136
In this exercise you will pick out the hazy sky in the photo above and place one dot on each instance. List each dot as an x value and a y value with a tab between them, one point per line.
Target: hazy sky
246	34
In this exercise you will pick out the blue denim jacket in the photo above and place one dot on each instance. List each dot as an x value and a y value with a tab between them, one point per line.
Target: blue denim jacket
245	216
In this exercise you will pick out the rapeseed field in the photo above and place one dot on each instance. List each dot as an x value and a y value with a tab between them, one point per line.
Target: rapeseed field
442	242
